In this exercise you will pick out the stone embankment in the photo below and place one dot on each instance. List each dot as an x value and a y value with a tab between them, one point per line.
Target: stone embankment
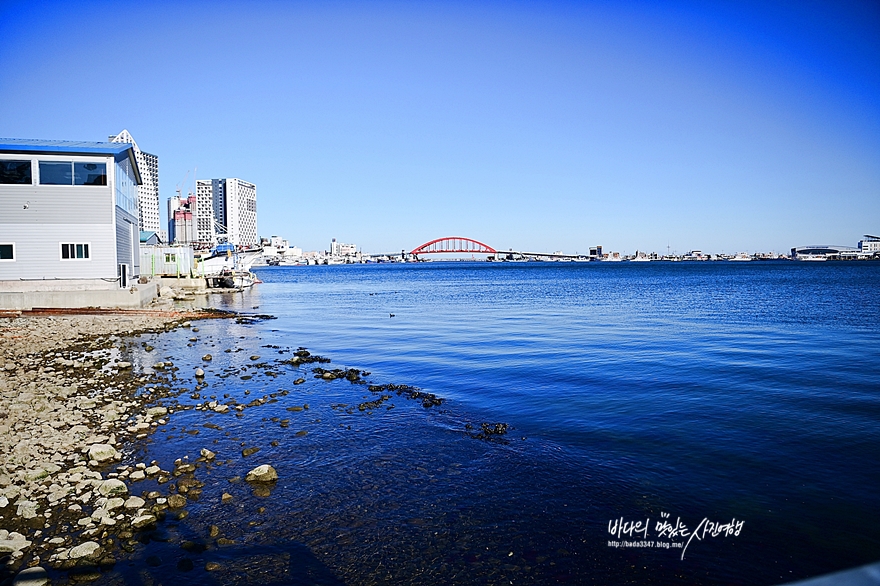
69	405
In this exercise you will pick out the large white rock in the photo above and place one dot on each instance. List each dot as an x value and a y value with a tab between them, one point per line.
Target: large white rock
154	412
262	473
27	509
36	576
143	521
87	549
13	542
112	487
102	453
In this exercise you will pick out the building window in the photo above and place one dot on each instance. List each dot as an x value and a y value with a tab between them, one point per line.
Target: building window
170	258
71	173
15	172
53	173
89	174
7	252
74	251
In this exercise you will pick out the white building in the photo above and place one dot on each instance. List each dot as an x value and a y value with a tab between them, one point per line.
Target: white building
205	211
68	220
870	245
340	249
234	207
148	191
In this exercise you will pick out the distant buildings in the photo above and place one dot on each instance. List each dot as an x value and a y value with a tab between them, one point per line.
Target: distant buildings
148	191
182	220
340	249
870	245
232	205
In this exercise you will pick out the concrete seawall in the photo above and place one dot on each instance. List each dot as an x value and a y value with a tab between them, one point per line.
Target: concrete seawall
139	295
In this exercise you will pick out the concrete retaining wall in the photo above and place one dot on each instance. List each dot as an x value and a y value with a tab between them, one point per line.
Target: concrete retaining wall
136	296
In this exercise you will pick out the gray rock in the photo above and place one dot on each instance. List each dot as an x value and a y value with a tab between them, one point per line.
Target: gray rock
176	501
112	487
12	542
27	509
134	502
35	576
154	412
207	454
143	521
200	373
83	550
102	453
262	473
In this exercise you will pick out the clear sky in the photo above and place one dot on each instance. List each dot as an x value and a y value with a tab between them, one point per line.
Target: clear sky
715	125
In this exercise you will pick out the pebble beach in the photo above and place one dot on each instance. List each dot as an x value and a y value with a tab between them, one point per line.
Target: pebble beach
69	410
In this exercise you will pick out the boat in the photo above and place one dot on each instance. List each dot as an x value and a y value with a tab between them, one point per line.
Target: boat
812	257
740	257
640	257
227	256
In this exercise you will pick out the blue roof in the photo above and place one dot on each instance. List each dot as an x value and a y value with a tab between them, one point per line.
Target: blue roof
26	145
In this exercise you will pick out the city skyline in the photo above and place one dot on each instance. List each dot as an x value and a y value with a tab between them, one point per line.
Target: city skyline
540	126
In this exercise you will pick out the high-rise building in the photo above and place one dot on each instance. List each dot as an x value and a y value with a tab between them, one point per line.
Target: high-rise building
148	192
234	208
205	211
182	220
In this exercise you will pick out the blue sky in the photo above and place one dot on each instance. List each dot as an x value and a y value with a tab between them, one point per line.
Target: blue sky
721	126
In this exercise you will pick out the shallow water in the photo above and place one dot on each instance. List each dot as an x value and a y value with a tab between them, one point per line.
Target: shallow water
724	391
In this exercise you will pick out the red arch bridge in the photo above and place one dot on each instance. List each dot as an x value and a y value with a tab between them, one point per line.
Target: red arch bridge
450	244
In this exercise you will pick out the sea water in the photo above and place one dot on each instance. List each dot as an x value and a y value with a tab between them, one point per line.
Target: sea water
704	422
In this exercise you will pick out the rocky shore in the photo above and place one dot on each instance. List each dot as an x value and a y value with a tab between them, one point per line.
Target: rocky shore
69	408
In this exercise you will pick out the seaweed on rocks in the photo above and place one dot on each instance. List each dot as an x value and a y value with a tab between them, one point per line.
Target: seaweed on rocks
488	431
303	356
370	405
352	375
428	399
252	318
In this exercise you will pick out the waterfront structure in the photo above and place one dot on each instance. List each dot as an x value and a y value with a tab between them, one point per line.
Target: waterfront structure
148	190
340	249
234	210
825	252
68	221
870	245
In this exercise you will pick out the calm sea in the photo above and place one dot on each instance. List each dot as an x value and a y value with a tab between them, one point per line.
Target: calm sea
733	409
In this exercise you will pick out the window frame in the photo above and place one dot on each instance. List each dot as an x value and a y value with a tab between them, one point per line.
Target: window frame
28	161
12	244
73	162
87	250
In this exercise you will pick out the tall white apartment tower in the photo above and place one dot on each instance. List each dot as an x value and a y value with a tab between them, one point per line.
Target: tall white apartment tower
148	193
205	211
234	207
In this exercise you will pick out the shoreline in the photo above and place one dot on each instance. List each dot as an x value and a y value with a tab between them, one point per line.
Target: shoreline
70	408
